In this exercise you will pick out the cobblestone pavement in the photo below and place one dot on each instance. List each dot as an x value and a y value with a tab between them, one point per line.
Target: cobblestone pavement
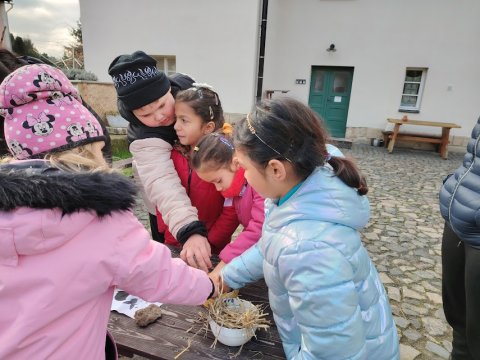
403	238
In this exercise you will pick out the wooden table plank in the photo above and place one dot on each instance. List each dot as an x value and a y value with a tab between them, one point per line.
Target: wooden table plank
167	337
423	123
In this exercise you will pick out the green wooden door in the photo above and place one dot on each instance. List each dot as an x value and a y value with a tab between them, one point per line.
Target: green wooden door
330	89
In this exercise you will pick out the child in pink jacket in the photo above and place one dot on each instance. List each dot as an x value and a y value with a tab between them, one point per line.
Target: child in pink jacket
213	160
67	233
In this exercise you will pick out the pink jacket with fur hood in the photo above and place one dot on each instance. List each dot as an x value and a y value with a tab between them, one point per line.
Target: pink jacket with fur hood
67	240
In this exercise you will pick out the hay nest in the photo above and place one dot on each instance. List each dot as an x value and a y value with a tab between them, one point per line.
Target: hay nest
243	315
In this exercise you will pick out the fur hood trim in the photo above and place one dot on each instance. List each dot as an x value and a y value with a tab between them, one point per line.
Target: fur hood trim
43	187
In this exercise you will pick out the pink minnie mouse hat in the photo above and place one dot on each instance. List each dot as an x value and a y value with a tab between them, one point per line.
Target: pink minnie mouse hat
44	113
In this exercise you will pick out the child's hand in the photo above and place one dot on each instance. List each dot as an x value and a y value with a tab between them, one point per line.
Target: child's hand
216	276
215	273
225	288
196	252
216	284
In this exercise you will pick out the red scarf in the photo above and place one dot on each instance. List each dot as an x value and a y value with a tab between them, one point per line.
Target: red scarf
237	185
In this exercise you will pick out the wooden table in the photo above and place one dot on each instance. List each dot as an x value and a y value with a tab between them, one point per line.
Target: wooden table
442	141
167	337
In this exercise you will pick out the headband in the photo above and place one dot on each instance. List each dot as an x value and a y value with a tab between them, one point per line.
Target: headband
254	132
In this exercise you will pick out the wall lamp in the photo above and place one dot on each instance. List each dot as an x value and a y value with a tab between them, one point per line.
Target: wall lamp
331	48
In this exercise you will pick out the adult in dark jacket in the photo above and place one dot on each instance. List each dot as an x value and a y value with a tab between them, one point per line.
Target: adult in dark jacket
460	207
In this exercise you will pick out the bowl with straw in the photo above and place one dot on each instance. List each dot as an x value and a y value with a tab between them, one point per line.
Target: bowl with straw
233	321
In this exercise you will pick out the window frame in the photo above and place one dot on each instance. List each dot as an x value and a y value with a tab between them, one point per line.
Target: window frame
419	95
163	62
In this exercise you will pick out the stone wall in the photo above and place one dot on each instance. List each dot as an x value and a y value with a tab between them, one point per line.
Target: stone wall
99	95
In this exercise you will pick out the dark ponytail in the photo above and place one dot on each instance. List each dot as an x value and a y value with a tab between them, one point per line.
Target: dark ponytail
349	173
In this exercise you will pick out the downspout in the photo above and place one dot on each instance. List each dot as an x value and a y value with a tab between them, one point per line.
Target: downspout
261	52
5	32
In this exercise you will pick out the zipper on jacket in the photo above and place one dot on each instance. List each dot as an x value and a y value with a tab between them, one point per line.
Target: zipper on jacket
459	181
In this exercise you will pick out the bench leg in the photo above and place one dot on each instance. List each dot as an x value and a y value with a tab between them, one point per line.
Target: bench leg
386	139
391	144
444	145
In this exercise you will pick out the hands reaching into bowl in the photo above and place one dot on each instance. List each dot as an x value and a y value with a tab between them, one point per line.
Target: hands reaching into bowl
216	276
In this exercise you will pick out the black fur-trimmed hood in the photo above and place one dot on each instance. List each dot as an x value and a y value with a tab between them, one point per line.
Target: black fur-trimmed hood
35	184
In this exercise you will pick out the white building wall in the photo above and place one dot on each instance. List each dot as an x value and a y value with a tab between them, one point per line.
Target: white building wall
215	41
380	39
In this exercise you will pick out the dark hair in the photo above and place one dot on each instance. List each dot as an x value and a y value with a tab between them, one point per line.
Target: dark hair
214	150
204	102
286	129
9	62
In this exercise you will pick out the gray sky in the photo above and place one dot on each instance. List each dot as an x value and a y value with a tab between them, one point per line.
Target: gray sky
45	22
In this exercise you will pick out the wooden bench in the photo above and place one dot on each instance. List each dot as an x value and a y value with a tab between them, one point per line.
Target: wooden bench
434	139
442	141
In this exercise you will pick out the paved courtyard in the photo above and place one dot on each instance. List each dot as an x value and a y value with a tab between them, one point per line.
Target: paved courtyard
403	238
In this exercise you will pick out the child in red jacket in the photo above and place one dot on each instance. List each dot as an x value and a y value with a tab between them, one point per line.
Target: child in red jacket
199	112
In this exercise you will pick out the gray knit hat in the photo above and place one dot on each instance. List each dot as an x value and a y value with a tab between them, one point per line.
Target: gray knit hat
137	80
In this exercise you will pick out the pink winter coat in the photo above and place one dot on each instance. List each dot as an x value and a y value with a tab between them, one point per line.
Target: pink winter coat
58	272
250	212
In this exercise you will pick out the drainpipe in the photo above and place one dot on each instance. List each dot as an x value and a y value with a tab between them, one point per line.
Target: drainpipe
5	31
261	52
